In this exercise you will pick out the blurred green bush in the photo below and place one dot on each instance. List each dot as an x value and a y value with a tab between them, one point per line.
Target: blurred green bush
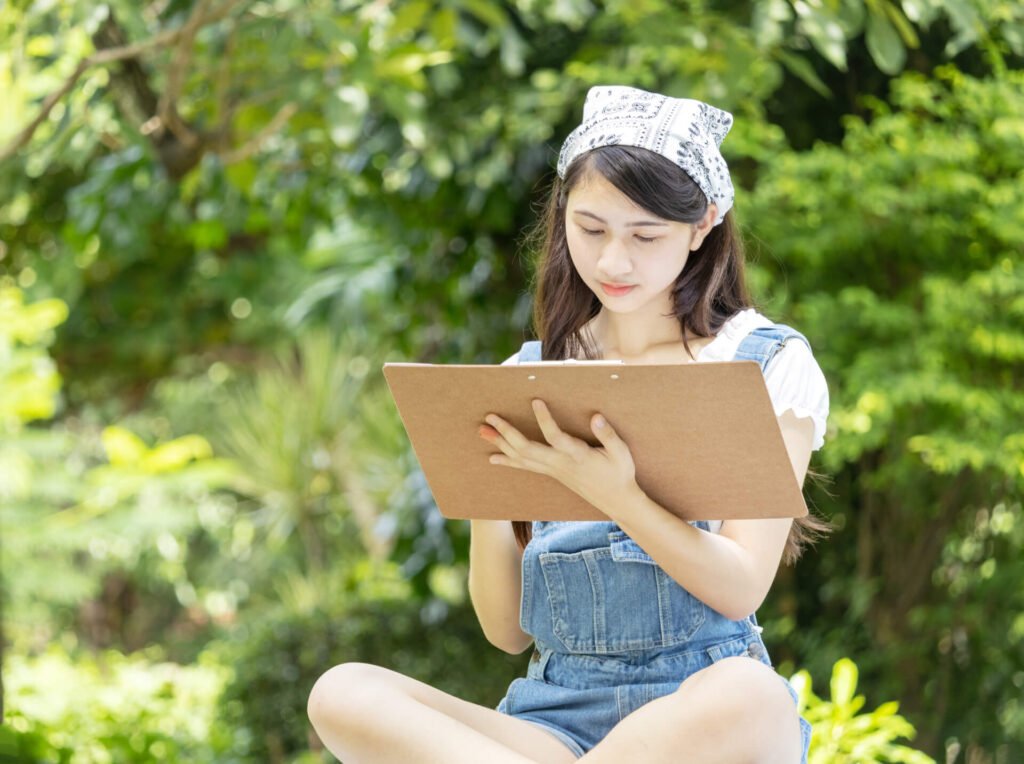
109	707
277	661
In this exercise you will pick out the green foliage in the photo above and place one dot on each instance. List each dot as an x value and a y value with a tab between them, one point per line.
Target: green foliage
29	747
299	432
191	232
29	383
111	708
841	734
81	505
104	520
903	248
28	377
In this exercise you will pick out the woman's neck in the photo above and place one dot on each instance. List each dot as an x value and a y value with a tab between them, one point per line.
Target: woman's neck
633	335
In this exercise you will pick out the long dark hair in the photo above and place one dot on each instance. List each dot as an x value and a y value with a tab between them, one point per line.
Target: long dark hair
710	289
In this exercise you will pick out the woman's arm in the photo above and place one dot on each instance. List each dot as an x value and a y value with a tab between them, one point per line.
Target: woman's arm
732	570
495	583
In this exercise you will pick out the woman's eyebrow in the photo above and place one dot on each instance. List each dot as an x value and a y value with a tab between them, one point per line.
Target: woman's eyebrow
634	224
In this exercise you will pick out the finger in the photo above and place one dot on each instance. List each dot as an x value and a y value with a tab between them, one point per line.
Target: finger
553	434
495	438
510	455
511	435
518	463
606	434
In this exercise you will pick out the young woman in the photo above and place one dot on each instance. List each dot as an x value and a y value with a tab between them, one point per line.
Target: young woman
646	648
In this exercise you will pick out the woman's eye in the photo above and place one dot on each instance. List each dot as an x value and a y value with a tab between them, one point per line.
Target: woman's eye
646	239
591	231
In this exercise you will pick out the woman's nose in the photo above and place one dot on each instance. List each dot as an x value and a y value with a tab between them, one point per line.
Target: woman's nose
614	260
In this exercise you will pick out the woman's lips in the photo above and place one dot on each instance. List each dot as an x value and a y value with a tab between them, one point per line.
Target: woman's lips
614	290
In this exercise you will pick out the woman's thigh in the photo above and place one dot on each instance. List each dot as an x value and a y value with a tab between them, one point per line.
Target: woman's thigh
361	695
736	711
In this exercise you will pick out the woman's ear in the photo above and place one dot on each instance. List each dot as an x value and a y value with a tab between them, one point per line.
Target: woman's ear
703	227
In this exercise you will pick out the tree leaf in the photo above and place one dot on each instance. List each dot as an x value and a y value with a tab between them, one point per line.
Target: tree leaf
800	67
884	44
174	455
824	31
490	13
903	26
844	682
123	447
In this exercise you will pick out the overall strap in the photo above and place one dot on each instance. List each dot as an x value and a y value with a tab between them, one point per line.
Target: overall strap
763	343
530	352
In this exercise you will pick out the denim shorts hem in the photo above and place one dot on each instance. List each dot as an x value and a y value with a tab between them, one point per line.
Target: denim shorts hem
562	736
805	727
805	739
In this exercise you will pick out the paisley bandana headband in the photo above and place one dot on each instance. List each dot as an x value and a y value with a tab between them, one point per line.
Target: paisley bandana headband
685	131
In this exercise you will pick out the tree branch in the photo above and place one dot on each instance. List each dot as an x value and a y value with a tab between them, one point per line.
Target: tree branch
166	109
224	78
249	148
51	100
111	55
129	83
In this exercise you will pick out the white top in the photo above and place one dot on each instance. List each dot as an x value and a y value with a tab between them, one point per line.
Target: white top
793	378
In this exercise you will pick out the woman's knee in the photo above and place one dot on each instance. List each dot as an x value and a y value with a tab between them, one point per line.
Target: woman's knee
345	692
741	695
741	688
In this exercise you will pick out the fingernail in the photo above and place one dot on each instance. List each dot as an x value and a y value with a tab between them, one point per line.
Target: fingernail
599	422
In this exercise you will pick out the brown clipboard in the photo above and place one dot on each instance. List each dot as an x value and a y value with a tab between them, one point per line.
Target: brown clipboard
704	437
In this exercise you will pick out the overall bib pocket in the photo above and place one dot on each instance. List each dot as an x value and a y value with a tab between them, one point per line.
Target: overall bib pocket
616	599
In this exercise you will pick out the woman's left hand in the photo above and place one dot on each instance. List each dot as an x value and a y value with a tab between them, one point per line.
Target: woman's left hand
604	476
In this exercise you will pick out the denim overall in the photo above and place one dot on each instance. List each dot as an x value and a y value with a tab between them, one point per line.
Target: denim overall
612	631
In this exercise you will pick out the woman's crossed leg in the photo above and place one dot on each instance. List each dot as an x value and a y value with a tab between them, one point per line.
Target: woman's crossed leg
366	714
734	712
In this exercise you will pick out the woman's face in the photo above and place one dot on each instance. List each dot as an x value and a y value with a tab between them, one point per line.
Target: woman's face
626	255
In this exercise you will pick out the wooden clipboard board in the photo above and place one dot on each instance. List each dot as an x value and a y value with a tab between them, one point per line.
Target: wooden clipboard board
704	436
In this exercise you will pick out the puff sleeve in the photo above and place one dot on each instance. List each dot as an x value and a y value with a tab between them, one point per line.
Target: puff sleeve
795	383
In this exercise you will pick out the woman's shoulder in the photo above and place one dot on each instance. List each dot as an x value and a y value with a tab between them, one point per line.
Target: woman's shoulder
749	333
792	375
728	338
